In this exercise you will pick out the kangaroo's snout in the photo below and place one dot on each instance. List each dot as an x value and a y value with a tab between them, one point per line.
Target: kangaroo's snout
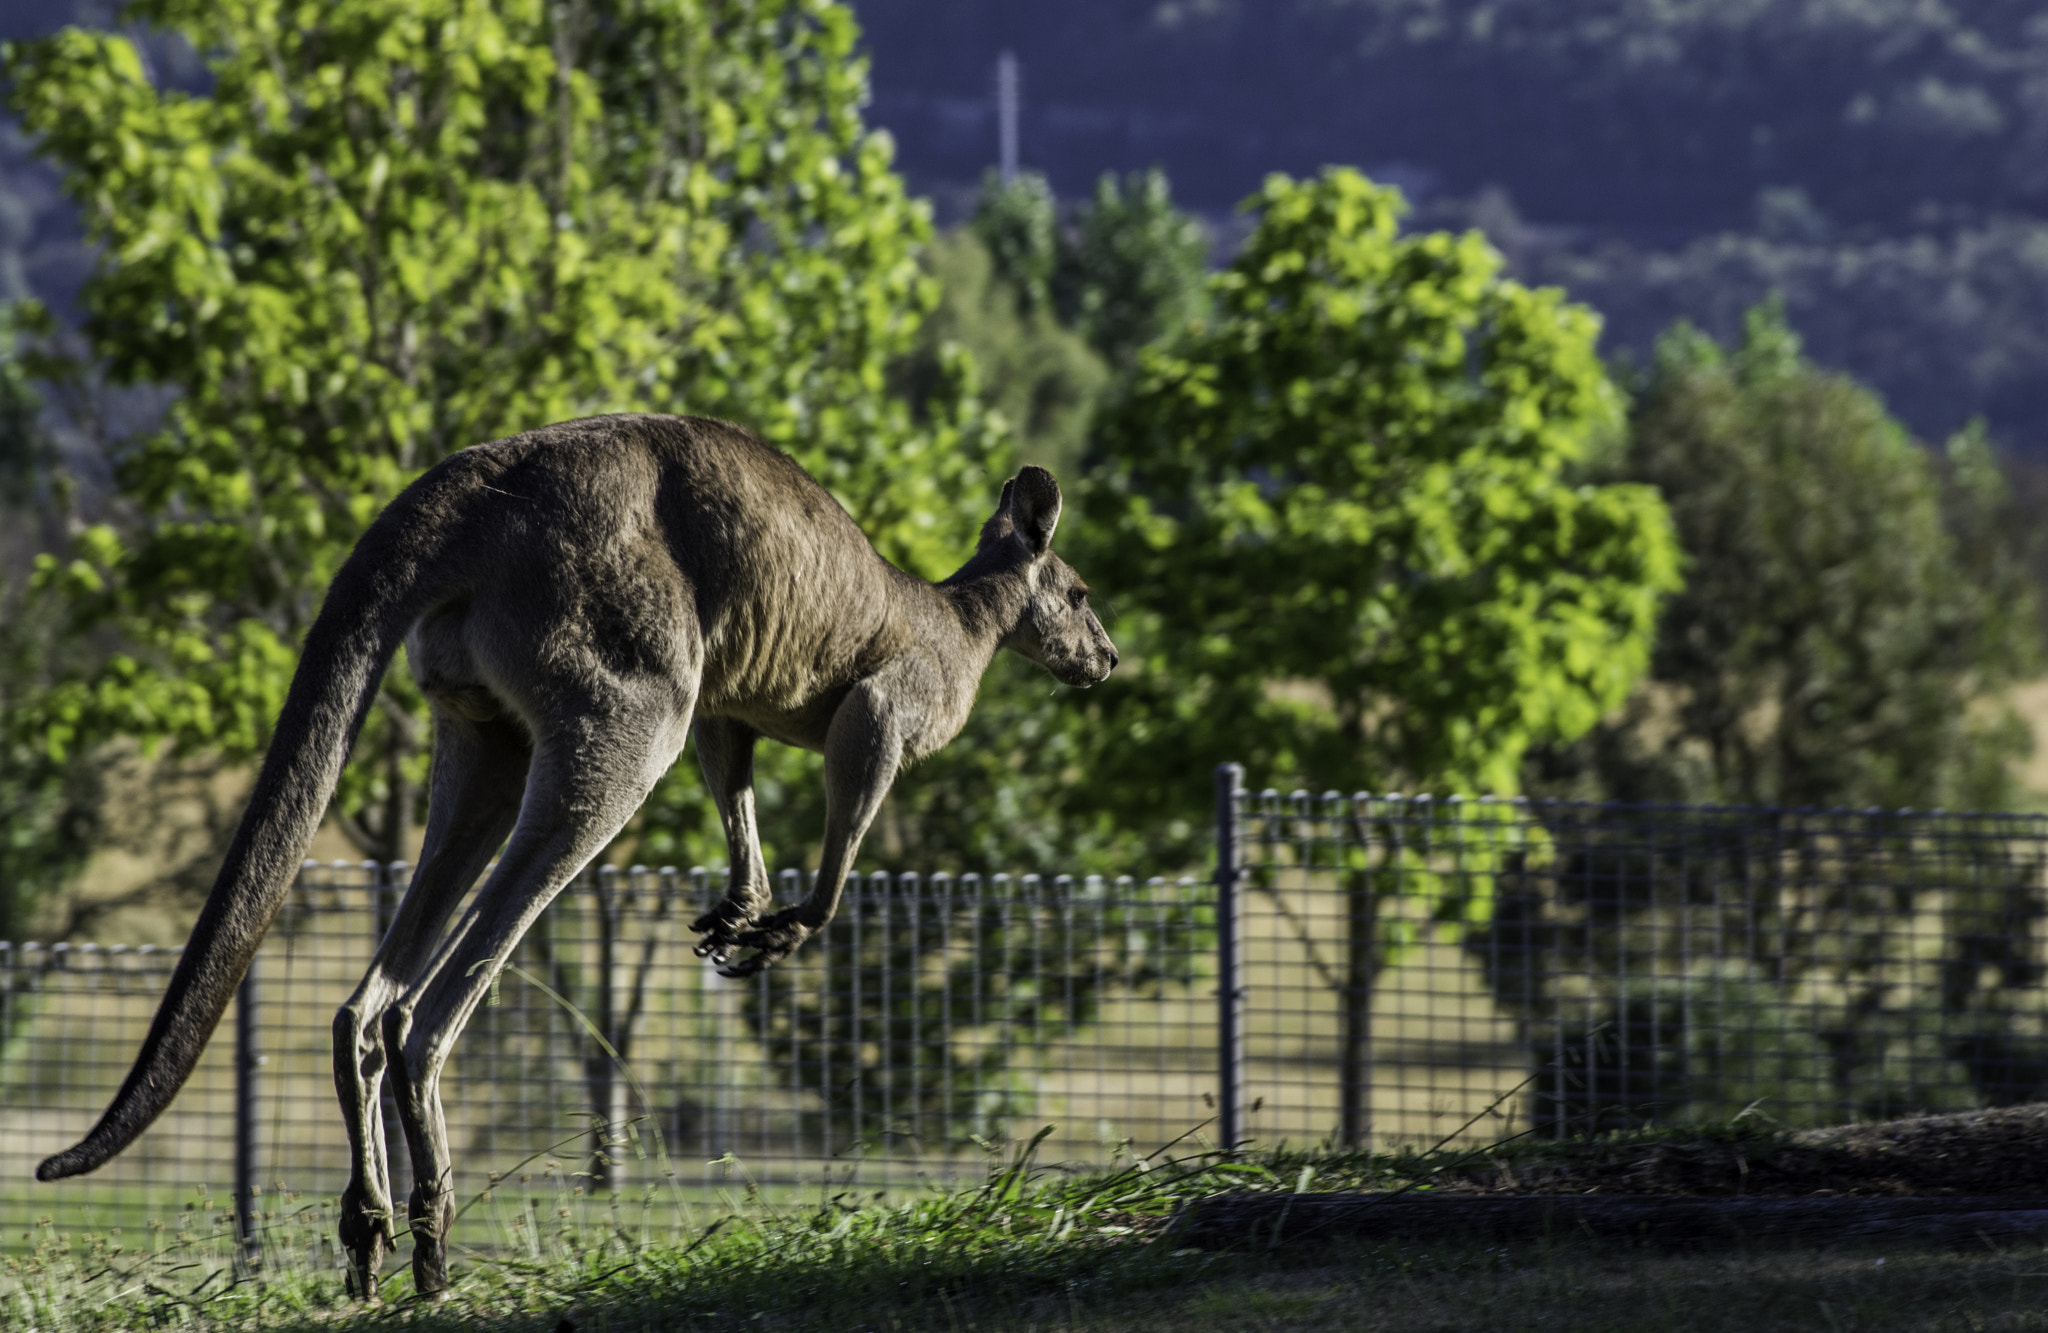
1094	663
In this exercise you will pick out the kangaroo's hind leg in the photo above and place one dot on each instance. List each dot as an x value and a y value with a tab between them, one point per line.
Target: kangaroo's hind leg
478	775
725	750
590	772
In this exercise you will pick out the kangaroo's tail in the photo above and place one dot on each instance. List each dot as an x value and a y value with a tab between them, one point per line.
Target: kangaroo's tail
379	592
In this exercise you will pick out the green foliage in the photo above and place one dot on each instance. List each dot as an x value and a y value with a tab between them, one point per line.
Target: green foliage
1018	224
1136	270
50	811
1123	270
390	231
21	441
1341	527
1042	378
1854	605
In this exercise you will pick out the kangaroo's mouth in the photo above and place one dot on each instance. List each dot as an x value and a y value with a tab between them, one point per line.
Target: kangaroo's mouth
1085	673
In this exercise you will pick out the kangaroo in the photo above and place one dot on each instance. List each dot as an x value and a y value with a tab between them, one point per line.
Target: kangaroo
571	601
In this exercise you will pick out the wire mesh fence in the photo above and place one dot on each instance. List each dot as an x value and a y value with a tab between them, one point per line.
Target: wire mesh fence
938	1014
1565	969
1362	970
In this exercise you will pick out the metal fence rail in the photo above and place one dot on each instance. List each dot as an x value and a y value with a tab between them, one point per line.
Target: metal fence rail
1393	968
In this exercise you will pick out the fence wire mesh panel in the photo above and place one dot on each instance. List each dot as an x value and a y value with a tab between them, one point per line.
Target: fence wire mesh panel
1404	968
937	1016
1413	965
71	1017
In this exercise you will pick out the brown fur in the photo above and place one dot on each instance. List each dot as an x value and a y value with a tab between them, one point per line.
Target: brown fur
572	600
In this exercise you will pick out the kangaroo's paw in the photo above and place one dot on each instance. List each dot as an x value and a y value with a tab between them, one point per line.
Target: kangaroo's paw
432	1219
775	937
721	928
366	1237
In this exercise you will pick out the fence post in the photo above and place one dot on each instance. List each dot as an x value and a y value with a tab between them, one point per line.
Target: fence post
1354	1055
1229	962
247	1058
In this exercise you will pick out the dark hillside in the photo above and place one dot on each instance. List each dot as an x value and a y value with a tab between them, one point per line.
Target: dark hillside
1664	121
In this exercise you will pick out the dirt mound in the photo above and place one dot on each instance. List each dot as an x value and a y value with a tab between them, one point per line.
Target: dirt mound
1983	1153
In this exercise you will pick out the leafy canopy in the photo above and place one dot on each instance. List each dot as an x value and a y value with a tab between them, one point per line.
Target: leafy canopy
1041	376
1342	526
1856	605
1123	269
1137	268
393	229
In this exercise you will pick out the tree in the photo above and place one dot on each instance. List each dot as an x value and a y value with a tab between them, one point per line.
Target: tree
393	230
1342	523
1342	528
1018	223
1855	605
1041	376
1122	270
1136	270
51	810
21	438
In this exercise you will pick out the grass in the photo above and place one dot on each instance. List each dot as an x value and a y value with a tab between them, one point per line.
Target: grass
1032	1248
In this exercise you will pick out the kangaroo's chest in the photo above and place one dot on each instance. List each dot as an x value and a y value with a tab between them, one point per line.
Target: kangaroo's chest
804	726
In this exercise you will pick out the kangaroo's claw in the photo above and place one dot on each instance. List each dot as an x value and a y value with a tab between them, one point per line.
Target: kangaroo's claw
775	938
366	1235
721	927
432	1218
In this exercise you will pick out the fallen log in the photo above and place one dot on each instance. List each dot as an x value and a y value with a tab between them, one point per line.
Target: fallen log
1228	1221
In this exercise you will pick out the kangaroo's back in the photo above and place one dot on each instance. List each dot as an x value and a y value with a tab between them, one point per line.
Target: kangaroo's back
789	596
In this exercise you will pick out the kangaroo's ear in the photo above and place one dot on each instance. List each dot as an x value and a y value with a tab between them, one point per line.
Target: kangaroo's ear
1033	499
1001	523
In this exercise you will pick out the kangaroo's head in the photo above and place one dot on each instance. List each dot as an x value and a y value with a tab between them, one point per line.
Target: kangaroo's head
1057	629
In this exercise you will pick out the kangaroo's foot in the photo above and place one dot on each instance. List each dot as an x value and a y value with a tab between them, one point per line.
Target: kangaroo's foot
431	1220
366	1237
721	928
776	938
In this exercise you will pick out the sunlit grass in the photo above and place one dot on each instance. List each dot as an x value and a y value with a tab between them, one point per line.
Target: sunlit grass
1029	1247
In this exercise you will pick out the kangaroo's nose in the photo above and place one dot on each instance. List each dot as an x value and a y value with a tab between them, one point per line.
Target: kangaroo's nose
1113	659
